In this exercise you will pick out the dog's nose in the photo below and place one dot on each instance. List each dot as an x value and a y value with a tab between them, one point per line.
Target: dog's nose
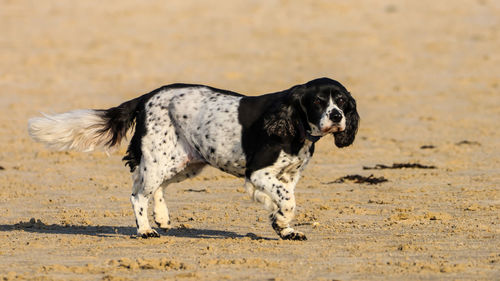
336	116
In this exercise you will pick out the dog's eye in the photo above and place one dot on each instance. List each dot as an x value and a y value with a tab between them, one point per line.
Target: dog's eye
340	102
318	101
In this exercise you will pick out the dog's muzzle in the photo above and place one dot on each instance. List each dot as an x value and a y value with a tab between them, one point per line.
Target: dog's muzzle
337	123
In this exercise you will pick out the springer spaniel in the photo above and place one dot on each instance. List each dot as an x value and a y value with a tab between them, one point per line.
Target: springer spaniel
180	128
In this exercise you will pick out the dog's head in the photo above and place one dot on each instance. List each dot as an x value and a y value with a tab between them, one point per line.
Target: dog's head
327	108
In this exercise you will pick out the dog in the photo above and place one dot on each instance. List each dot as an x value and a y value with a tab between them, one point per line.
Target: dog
180	128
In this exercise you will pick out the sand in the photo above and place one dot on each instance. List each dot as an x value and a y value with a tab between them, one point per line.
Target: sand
426	75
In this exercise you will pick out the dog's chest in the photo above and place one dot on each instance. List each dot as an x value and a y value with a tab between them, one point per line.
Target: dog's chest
287	167
295	163
209	122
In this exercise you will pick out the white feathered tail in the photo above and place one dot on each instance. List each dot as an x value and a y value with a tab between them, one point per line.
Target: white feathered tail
79	130
85	129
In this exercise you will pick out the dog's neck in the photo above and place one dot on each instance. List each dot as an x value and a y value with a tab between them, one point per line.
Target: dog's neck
304	128
312	138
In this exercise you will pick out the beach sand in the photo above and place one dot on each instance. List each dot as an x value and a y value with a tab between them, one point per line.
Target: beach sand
426	77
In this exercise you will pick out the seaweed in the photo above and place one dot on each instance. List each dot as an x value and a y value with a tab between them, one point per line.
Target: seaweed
467	142
427	146
399	166
371	179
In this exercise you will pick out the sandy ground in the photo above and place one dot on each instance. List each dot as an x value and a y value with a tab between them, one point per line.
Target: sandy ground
426	75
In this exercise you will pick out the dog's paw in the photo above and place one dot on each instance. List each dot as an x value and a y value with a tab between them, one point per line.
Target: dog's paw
148	234
296	235
164	226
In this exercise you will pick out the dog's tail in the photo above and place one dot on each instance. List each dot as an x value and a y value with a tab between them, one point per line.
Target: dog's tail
85	129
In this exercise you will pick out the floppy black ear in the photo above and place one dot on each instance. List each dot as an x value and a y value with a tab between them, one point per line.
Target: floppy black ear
346	137
278	121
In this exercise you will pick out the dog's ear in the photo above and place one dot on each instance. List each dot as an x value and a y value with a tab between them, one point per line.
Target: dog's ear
346	137
278	121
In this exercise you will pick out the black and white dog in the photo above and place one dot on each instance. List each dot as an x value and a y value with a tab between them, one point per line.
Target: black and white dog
180	128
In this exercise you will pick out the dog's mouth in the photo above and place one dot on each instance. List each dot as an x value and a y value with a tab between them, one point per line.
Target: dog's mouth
333	129
323	131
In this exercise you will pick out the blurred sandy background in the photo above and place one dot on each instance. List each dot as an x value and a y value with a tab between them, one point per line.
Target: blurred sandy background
424	73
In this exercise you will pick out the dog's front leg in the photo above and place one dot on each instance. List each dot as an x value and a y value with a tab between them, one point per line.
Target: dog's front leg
277	194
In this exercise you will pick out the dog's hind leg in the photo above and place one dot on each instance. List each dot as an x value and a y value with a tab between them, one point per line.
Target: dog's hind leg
148	182
144	187
148	179
139	200
162	153
160	210
159	167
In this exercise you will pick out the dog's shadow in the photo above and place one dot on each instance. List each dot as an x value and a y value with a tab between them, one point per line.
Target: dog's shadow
110	231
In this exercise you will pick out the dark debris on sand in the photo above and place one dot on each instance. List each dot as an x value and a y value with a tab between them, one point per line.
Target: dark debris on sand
399	166
467	142
360	179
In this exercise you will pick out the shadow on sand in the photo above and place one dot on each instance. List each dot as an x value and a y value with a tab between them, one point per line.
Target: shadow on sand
37	226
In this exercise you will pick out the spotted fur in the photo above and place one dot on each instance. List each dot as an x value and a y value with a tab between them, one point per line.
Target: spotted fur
181	128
